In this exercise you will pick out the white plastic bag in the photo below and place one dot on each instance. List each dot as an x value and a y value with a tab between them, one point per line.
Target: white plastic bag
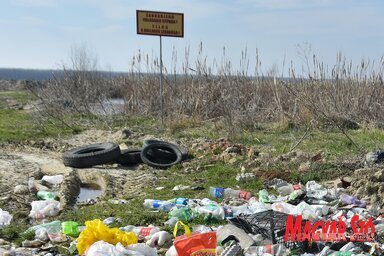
101	248
142	249
5	218
53	180
43	209
159	239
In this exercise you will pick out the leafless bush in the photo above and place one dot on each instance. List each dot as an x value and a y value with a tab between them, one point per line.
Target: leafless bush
80	90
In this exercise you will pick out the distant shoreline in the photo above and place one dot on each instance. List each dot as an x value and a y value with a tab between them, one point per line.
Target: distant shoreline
40	74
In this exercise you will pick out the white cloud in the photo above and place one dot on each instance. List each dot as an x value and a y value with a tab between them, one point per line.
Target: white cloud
38	3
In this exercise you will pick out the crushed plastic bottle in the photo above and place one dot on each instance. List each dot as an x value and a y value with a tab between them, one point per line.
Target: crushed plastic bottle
232	193
165	206
183	214
171	222
142	232
273	249
45	195
285	190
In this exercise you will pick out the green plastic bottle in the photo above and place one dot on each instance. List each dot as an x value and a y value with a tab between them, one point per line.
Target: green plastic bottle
46	195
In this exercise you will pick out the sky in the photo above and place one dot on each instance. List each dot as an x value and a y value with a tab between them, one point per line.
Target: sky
40	34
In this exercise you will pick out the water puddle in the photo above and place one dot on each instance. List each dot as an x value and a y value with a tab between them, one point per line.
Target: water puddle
89	191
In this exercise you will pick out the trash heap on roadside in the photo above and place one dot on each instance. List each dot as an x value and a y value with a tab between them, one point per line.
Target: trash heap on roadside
297	220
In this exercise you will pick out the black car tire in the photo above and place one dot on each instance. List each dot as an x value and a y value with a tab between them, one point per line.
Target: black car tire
164	154
90	155
130	157
174	155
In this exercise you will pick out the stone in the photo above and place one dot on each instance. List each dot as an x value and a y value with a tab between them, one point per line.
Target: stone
338	183
126	133
379	175
233	149
371	158
305	167
346	181
252	153
232	160
21	189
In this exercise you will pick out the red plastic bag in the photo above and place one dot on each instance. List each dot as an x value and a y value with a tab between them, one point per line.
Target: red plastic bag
196	244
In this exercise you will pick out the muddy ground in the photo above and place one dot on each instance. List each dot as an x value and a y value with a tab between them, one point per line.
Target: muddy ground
21	163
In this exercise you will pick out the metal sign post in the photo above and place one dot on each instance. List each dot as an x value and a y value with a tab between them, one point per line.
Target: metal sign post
160	24
161	84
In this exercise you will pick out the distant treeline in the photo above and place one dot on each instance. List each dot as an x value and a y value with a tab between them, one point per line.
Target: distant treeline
40	74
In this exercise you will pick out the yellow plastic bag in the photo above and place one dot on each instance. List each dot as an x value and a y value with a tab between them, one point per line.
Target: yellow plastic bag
96	230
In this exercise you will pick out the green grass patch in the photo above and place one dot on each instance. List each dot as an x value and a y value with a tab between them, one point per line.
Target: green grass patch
16	125
22	97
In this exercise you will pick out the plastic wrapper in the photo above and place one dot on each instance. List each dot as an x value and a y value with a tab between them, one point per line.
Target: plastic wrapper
43	209
5	218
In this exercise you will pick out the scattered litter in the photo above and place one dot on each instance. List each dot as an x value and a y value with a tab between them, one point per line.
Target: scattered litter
53	180
245	176
181	187
45	208
5	218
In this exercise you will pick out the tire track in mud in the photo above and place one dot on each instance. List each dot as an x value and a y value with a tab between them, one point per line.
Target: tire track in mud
16	170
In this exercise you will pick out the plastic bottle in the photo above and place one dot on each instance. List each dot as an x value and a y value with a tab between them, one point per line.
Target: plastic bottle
285	190
165	206
232	193
46	195
263	196
274	249
171	222
216	192
181	201
183	214
143	232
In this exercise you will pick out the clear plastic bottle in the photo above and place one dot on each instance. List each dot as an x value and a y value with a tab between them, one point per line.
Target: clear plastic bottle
232	193
285	190
275	249
165	206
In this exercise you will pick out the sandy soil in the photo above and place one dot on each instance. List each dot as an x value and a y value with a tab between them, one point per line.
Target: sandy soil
18	164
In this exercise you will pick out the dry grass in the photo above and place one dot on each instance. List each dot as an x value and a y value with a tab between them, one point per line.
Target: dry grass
339	94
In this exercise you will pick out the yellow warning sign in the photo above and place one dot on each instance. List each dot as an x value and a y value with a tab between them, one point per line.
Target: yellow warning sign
160	23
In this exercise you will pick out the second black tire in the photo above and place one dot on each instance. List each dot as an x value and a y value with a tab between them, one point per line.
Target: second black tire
174	155
164	154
